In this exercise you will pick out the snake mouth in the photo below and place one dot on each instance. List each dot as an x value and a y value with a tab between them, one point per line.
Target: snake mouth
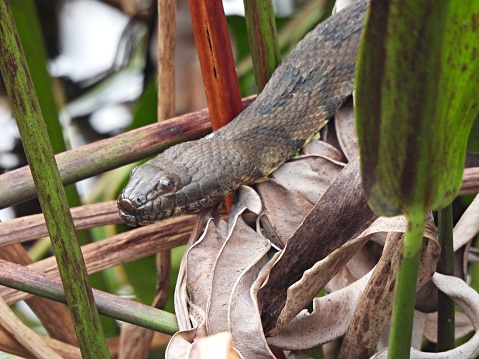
135	215
127	211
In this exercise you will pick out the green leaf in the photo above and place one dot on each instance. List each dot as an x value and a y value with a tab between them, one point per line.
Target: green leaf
473	143
417	97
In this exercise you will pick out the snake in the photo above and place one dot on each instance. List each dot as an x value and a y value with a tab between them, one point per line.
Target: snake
303	93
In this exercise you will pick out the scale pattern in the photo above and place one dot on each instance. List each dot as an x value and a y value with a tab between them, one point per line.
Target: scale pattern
304	92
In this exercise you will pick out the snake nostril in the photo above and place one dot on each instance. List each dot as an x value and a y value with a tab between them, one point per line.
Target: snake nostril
125	205
139	200
130	205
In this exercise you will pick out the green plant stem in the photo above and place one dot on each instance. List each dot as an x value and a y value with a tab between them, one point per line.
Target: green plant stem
33	43
30	32
50	190
445	325
27	280
311	14
263	39
405	290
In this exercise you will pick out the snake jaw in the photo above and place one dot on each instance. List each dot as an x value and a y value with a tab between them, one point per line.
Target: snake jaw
134	211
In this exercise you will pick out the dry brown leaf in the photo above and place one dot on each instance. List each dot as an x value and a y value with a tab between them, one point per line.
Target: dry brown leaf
467	227
201	261
223	272
339	217
181	291
465	230
333	313
346	130
278	224
468	299
241	249
218	290
247	204
329	319
470	181
373	312
463	326
324	149
244	320
357	267
209	273
238	248
180	344
317	172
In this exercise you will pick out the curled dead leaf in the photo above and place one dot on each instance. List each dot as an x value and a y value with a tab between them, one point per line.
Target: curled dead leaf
228	265
468	299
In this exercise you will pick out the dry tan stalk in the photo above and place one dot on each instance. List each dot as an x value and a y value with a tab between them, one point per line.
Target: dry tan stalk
54	316
119	249
470	181
166	58
10	345
26	337
32	227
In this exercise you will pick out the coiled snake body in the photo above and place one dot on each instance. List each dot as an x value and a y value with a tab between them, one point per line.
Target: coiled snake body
304	92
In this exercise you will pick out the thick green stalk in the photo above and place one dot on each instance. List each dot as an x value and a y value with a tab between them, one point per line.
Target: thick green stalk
263	39
405	290
33	43
445	325
49	188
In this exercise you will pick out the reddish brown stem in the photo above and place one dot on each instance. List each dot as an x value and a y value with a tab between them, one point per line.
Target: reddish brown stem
216	60
217	64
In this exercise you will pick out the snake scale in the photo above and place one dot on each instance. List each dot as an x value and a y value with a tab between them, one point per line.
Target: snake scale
304	92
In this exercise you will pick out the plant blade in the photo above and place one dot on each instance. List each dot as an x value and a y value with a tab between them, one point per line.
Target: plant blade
417	99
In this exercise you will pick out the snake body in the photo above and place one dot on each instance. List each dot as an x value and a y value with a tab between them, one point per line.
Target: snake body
304	92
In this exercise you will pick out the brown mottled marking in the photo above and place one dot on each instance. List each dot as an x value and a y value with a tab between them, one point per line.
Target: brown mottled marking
303	93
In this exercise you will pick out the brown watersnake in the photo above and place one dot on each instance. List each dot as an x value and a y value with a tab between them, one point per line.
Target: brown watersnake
304	92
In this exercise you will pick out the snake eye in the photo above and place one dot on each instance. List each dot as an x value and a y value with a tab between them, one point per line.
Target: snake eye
165	184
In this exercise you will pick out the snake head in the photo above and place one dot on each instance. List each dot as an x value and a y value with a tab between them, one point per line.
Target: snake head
149	196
